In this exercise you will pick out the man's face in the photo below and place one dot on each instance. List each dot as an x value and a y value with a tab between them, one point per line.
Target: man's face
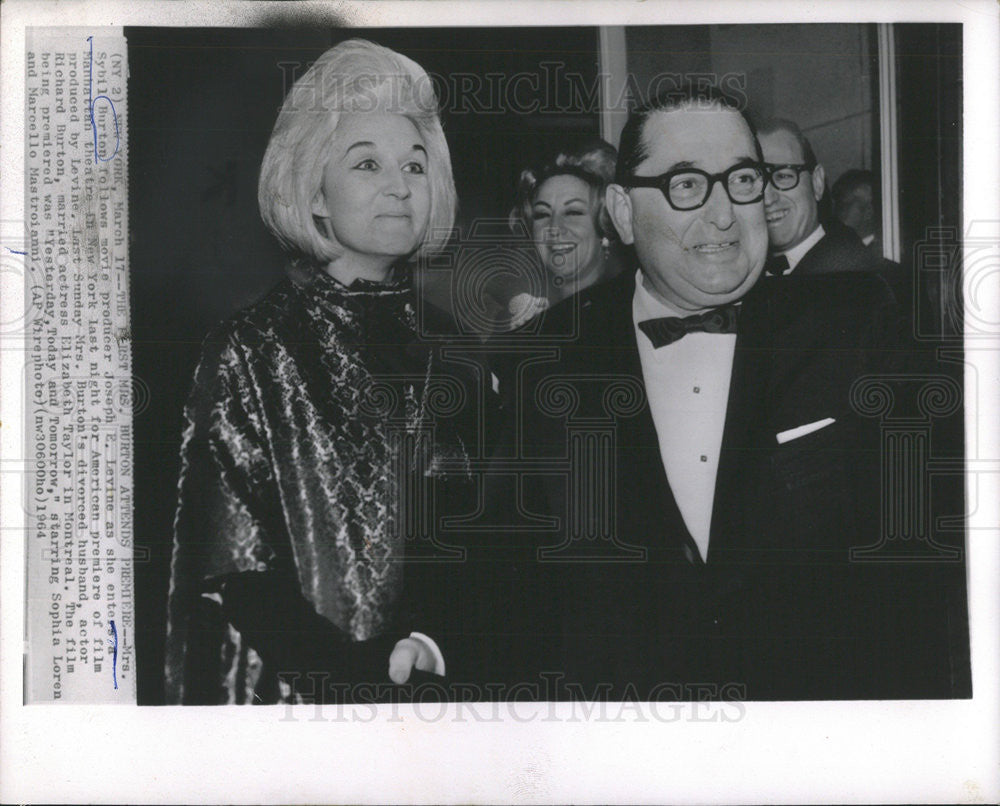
792	215
697	258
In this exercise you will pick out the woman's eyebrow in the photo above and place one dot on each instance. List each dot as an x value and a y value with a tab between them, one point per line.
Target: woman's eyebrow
360	144
370	144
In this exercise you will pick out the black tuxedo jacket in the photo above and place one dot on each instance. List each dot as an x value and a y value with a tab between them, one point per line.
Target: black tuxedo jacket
839	250
777	610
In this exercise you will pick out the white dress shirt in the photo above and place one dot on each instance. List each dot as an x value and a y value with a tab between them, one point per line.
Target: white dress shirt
687	385
797	252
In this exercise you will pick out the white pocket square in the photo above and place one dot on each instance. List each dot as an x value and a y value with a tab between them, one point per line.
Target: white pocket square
802	430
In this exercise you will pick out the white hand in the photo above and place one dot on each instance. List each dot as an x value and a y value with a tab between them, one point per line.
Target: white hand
408	653
523	307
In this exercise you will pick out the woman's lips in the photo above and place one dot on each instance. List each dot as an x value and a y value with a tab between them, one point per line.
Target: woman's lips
561	248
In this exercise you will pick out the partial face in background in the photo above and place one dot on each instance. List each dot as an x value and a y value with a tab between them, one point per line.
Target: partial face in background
859	211
375	196
563	227
792	215
696	258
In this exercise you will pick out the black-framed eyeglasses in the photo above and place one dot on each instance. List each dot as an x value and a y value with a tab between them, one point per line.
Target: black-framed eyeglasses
689	188
786	177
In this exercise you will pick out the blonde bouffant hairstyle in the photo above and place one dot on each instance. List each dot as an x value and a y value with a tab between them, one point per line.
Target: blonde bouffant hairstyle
594	164
354	76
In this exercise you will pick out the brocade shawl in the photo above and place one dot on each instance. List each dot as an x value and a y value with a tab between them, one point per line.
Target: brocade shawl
307	414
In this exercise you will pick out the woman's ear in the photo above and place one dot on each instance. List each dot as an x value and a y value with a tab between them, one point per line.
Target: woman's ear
619	207
318	206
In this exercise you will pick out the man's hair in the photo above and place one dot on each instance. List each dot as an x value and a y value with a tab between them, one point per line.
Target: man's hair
354	76
849	183
785	125
632	148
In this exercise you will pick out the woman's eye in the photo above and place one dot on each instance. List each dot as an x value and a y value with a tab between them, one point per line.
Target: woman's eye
538	215
575	212
367	165
414	168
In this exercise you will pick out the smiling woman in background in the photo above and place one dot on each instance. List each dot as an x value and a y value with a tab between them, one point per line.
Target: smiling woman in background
287	537
561	205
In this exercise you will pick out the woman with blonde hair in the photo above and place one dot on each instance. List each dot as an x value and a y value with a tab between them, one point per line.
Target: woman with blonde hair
314	412
560	204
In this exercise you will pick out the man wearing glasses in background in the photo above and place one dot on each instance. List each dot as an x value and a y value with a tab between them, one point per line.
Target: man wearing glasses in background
744	472
799	242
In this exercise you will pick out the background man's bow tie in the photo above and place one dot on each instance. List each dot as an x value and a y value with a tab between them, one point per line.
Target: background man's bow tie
776	265
668	329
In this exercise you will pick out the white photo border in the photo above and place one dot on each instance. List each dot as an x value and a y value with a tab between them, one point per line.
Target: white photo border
939	751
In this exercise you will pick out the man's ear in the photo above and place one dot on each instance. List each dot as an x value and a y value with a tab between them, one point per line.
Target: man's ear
819	181
318	206
619	207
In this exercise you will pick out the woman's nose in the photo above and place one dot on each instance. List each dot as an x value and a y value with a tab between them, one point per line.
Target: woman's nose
396	184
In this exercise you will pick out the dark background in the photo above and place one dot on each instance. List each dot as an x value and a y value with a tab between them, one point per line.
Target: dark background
201	106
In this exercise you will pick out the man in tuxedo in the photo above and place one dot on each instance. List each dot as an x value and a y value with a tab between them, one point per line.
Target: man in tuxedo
799	242
721	468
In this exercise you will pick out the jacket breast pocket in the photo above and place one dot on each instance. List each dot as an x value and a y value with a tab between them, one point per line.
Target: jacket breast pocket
816	458
813	497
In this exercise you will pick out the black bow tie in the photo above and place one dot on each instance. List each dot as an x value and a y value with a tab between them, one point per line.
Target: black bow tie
776	265
668	329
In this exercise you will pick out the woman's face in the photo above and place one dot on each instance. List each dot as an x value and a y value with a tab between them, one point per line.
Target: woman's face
562	216
375	196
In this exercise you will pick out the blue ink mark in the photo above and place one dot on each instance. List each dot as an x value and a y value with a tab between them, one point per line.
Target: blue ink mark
15	252
114	654
93	103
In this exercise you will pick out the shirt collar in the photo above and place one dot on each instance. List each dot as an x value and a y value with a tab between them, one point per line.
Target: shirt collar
647	306
797	252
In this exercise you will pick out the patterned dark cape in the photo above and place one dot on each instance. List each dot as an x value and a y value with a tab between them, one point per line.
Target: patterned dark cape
309	412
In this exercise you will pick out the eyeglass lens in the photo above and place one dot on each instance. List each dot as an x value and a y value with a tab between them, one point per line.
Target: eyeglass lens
786	178
690	190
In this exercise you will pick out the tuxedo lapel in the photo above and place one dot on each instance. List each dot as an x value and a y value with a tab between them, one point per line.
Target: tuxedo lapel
743	435
646	502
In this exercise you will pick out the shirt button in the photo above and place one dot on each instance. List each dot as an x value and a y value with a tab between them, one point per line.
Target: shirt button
704	458
697	390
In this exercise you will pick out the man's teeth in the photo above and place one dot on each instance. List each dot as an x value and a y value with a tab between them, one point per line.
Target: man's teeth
777	215
561	247
715	247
